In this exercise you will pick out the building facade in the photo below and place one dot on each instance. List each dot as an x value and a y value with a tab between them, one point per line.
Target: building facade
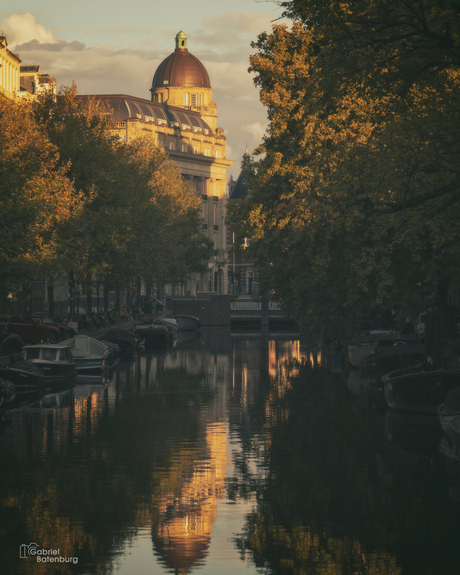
242	277
181	118
9	70
33	83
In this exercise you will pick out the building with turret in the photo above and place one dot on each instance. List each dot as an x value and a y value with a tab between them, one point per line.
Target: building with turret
181	117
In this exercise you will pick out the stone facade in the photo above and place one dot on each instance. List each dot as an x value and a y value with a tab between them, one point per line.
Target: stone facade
33	82
189	135
9	70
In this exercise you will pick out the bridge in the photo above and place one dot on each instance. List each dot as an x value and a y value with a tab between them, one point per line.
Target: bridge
215	309
250	313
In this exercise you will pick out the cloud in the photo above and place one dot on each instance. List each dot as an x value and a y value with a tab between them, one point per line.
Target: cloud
128	66
21	29
257	130
58	46
229	30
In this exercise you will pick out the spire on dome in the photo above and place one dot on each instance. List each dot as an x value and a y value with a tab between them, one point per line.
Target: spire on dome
181	41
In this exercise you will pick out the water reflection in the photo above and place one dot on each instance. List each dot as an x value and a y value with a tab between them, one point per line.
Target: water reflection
224	454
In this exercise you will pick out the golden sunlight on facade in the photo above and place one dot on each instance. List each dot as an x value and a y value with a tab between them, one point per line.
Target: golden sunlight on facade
181	118
9	70
18	81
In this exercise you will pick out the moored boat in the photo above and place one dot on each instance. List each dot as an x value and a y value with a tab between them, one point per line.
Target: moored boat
28	381
55	360
368	342
454	431
187	322
89	353
170	323
449	409
153	334
7	392
385	360
390	358
417	389
126	341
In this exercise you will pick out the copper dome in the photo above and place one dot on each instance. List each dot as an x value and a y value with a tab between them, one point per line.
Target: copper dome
181	69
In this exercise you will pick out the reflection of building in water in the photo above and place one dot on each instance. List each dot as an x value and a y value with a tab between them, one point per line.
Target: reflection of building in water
186	508
254	363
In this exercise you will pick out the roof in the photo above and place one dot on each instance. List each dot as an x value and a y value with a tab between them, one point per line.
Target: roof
181	69
125	107
239	189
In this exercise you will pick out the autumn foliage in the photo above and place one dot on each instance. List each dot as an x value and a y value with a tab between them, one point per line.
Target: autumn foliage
354	202
72	199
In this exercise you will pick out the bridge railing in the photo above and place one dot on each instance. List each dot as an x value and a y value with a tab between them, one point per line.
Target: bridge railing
249	305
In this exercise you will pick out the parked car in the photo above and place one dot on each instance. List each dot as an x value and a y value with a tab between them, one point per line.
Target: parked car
29	329
65	330
9	343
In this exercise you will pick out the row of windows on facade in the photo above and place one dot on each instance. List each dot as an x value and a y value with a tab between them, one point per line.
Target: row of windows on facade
189	99
183	147
194	149
161	122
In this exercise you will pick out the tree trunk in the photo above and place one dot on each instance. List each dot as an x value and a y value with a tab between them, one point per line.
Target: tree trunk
106	294
89	296
72	292
50	290
117	294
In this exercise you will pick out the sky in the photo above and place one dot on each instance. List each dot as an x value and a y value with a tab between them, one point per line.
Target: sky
108	47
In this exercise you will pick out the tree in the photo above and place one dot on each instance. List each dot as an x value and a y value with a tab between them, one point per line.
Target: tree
355	196
140	219
37	199
163	241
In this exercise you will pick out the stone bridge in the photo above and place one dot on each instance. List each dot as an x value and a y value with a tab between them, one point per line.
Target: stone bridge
214	309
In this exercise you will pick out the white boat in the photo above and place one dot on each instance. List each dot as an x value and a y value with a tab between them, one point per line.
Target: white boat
55	360
89	353
187	322
170	323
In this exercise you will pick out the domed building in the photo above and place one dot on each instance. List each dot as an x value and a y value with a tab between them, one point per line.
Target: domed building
182	118
182	80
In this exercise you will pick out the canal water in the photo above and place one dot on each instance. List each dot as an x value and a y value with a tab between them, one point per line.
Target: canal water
229	454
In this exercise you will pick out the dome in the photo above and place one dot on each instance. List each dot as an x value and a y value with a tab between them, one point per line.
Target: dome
181	69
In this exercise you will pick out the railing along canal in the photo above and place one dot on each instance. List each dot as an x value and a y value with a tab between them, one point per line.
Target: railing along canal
249	305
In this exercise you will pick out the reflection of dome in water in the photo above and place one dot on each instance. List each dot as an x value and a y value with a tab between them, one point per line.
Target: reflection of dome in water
182	524
181	550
